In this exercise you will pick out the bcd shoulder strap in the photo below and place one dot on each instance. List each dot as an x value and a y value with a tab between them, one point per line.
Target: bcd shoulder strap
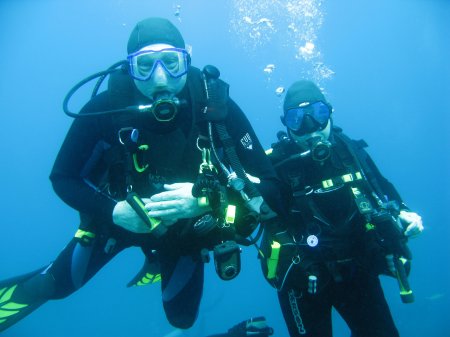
360	156
120	88
209	94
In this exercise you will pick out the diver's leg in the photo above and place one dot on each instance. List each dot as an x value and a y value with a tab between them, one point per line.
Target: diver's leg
76	264
362	304
182	289
306	315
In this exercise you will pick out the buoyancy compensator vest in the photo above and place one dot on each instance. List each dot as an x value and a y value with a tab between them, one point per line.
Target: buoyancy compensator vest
355	181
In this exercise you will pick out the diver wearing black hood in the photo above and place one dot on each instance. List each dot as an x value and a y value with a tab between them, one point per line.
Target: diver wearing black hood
345	225
161	160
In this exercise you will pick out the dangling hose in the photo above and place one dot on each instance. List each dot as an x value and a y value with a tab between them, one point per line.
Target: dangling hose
122	64
101	75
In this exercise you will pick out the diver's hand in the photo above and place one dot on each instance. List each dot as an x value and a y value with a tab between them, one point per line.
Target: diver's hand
125	217
412	222
256	327
175	203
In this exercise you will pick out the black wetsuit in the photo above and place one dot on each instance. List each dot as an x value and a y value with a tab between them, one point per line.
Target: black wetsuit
90	174
326	238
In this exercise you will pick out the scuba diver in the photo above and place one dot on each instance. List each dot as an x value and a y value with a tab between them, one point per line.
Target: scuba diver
162	159
344	225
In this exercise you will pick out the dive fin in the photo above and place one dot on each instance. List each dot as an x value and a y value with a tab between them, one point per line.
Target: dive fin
149	273
15	301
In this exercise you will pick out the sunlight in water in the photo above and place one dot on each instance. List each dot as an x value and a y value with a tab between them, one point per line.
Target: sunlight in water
291	25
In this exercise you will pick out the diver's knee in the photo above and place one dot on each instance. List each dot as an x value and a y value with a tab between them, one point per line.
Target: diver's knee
182	321
44	286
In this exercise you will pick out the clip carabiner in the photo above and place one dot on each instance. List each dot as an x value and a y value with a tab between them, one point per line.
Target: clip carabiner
130	139
137	166
206	161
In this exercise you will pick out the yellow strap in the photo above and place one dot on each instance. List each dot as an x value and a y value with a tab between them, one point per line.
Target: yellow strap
327	183
346	178
81	234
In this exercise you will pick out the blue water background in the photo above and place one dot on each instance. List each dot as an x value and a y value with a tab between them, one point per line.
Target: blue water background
387	75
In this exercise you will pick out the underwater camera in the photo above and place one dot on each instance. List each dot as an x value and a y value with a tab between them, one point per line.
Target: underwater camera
227	260
395	242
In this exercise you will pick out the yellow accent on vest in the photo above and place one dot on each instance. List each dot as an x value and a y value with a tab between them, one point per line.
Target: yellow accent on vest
202	201
272	261
230	215
269	151
369	226
347	178
327	183
356	192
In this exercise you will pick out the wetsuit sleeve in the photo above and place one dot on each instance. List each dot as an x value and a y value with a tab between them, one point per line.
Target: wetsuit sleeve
252	156
67	173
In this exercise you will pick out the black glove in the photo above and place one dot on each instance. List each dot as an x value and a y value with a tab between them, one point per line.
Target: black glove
256	327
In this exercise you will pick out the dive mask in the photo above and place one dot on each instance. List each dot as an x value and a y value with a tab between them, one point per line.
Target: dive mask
143	63
294	118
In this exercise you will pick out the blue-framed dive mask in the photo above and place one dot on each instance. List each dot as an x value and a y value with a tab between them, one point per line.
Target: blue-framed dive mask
143	63
319	111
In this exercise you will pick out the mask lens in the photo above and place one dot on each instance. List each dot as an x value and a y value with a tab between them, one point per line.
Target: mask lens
293	118
319	111
143	63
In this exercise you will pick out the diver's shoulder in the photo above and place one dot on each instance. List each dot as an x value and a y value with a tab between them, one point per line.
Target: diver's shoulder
281	150
339	133
99	102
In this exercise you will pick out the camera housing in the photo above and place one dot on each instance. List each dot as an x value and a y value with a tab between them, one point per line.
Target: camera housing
227	260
